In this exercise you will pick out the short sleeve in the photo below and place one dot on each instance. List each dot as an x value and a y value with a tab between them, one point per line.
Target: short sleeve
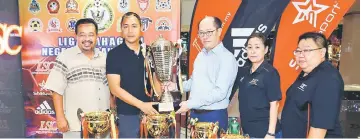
326	102
273	86
57	81
113	65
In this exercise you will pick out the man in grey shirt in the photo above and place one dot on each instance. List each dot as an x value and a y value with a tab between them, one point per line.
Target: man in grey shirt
78	80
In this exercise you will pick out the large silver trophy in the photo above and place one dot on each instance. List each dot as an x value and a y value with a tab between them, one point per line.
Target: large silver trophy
163	57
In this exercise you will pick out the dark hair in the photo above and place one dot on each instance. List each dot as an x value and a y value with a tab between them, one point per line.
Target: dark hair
318	38
217	22
259	36
131	14
86	21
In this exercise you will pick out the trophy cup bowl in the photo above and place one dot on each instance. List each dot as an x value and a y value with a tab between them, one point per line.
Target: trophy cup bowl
157	124
98	122
206	129
235	136
164	56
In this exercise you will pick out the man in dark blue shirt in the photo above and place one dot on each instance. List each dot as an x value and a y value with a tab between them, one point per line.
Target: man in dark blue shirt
125	69
313	101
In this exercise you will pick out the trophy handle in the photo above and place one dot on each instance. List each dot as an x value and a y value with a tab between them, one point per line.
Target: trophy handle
112	127
150	75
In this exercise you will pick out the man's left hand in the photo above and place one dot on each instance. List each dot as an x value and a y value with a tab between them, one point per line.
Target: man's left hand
183	107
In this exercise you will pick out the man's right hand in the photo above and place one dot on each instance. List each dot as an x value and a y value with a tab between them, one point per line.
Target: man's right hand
62	124
147	108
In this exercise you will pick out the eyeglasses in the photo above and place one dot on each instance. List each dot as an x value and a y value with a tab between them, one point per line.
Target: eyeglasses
207	33
305	51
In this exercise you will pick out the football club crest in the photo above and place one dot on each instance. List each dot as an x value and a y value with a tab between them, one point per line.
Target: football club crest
146	21
143	5
72	6
101	12
35	25
163	5
54	25
119	21
70	24
123	6
34	7
163	24
53	6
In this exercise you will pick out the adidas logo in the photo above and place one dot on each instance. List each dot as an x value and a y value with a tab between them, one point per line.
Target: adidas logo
44	108
4	108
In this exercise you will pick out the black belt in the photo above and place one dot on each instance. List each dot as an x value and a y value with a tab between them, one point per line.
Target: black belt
202	111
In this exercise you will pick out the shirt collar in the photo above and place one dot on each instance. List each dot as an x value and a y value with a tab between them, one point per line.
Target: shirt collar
260	68
215	50
96	51
314	71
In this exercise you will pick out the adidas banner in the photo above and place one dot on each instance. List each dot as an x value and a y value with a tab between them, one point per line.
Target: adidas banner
301	16
252	16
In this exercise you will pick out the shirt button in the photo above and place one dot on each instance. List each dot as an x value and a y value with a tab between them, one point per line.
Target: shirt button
99	88
99	98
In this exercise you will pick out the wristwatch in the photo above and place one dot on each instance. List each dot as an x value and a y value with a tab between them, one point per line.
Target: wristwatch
268	133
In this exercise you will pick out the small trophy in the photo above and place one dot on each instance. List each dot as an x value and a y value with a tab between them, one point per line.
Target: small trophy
203	129
233	131
158	124
98	123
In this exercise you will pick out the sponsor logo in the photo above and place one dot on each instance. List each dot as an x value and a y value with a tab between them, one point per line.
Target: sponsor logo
254	81
72	7
7	32
240	36
47	127
309	12
101	12
44	108
53	6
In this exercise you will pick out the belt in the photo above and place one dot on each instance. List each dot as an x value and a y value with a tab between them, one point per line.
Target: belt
201	111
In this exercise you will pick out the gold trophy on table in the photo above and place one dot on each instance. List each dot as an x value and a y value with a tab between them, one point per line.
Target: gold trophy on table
203	129
95	124
163	56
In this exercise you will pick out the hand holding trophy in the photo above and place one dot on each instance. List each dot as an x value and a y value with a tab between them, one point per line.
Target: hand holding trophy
163	57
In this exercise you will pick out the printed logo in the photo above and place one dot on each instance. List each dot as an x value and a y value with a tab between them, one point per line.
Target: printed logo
309	12
72	7
34	7
163	5
53	6
163	24
146	21
101	12
54	25
5	33
302	87
70	24
254	81
35	25
123	6
143	5
47	127
4	108
44	108
4	125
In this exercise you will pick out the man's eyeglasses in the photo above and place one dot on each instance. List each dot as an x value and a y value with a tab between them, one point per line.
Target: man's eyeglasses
305	51
206	33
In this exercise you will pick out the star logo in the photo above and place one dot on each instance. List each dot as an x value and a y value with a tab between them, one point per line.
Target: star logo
310	11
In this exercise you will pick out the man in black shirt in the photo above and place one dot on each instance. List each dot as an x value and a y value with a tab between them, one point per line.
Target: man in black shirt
125	69
313	101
